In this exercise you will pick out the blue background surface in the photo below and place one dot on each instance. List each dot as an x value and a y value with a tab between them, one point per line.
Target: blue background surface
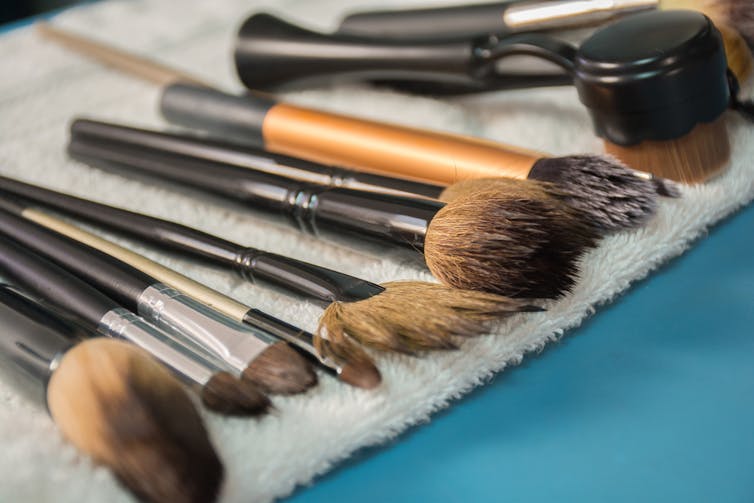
652	399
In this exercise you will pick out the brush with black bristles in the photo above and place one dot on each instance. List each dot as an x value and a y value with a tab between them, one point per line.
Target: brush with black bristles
525	247
219	390
355	309
609	195
113	402
250	352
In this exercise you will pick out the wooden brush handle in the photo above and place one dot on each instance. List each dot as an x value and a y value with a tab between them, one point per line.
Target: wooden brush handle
344	141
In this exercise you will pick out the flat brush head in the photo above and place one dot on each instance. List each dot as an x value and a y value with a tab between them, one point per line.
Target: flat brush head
281	370
524	247
437	316
228	395
122	408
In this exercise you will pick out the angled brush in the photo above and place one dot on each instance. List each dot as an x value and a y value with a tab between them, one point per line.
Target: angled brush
251	352
114	403
99	314
609	195
524	247
369	313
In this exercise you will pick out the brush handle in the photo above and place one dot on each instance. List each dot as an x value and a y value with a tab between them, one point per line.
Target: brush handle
311	208
124	284
341	140
199	148
33	337
271	53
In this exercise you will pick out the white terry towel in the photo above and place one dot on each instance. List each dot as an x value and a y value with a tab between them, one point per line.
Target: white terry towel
43	87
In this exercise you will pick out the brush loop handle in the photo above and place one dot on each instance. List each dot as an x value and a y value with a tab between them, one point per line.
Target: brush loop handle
271	53
311	208
204	149
33	337
311	281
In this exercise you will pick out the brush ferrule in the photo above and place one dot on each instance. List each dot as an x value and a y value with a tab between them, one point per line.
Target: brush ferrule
234	343
189	367
565	13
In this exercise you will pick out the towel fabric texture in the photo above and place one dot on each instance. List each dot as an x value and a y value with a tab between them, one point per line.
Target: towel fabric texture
44	86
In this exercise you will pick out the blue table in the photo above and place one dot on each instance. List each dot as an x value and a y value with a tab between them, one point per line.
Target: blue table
651	400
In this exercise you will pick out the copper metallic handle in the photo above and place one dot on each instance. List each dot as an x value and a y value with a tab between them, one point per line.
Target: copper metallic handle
389	149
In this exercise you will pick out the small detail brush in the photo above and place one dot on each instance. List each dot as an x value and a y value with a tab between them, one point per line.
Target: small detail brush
249	352
369	313
609	195
218	390
113	403
522	248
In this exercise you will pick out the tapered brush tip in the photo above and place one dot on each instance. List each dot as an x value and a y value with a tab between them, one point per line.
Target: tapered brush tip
363	375
115	403
225	394
281	370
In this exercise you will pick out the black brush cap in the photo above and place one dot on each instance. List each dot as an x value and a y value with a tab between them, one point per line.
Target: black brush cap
653	76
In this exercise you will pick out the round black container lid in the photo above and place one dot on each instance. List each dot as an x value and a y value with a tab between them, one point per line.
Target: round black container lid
653	76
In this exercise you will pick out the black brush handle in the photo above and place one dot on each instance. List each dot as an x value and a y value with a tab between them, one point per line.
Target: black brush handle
293	275
271	53
33	338
45	280
417	24
119	280
311	208
198	148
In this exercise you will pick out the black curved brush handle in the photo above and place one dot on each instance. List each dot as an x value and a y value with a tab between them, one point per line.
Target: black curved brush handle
271	53
419	24
121	282
199	148
306	279
311	208
32	336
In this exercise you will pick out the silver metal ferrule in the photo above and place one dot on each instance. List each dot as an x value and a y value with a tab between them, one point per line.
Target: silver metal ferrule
189	367
565	13
234	343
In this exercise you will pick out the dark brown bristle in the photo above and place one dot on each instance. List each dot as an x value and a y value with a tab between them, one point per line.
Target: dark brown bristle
361	376
356	367
436	317
281	370
121	407
693	158
524	247
228	395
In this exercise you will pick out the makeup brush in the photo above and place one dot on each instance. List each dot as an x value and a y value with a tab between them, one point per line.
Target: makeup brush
219	391
610	196
251	352
113	403
522	247
368	313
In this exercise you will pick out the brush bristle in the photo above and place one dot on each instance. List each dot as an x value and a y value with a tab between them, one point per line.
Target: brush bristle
357	367
607	192
281	370
122	408
737	52
522	247
738	14
228	395
437	316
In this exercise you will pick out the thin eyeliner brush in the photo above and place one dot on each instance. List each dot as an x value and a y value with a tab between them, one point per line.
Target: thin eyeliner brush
99	314
252	353
162	453
448	312
612	198
507	244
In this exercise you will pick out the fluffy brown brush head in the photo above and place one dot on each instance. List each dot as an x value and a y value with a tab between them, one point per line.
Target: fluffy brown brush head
225	394
524	246
281	370
412	316
738	14
115	403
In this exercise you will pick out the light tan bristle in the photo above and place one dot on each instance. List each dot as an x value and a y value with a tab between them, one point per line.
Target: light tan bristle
225	394
118	405
693	158
437	316
279	369
740	60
